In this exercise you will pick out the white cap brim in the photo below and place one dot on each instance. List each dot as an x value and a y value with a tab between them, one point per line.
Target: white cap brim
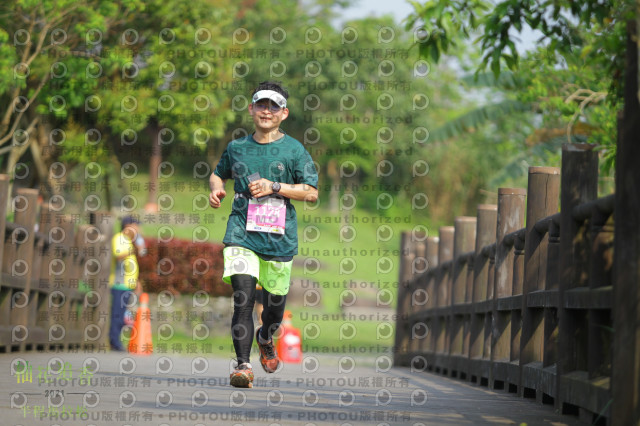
272	96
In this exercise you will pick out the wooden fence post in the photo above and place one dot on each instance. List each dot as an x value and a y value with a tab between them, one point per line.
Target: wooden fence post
404	278
511	210
56	269
443	292
485	235
99	282
432	260
542	201
463	244
626	287
601	262
419	266
510	218
414	298
445	257
70	259
445	254
49	266
5	291
4	201
24	306
579	184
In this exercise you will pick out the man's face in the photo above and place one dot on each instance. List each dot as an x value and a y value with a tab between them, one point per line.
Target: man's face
267	115
131	230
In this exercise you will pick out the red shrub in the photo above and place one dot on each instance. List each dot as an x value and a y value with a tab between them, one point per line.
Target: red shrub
183	267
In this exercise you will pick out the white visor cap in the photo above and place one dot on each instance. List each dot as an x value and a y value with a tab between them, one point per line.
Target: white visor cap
271	95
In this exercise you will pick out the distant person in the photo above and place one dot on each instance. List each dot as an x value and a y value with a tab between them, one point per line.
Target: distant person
269	169
126	245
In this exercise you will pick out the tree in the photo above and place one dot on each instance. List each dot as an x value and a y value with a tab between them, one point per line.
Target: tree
442	24
172	78
44	54
572	80
339	80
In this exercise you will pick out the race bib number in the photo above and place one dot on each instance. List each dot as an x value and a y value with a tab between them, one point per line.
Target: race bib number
267	215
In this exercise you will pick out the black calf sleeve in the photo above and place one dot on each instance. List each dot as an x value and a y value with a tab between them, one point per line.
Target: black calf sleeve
272	313
244	295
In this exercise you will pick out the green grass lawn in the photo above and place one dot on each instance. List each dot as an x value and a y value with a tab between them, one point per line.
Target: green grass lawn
344	333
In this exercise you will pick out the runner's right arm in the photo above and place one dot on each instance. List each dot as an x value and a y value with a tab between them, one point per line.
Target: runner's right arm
217	190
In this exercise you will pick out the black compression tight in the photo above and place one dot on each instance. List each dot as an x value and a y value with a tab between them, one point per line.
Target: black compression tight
242	329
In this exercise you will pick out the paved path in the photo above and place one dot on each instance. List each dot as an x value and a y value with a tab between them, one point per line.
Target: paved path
181	390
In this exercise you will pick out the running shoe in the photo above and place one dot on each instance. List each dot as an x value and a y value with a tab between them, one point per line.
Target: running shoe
242	376
268	355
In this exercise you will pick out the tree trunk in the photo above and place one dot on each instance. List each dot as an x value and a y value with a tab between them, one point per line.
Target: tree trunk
154	163
40	159
334	190
16	153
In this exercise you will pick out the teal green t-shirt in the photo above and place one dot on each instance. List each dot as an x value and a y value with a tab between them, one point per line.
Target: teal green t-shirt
284	160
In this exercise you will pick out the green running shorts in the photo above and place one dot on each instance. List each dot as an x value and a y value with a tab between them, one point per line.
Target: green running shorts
273	276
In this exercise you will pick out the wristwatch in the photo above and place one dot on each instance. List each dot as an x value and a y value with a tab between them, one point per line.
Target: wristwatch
275	187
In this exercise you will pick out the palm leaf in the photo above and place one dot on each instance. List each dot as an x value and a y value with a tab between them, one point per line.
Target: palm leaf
519	164
507	80
478	117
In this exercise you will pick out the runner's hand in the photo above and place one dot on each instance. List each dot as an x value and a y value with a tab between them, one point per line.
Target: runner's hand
260	188
215	198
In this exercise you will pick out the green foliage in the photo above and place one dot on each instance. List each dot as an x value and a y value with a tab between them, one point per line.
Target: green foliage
172	74
478	117
46	56
8	59
571	80
185	69
445	23
94	66
339	80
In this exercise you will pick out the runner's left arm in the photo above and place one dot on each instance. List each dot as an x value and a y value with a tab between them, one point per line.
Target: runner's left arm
298	191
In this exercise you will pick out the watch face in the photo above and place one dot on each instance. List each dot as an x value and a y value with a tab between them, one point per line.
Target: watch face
275	187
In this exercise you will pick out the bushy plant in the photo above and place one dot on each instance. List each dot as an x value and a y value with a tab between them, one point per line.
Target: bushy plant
183	267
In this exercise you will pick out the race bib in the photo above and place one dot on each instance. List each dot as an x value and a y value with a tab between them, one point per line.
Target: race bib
267	215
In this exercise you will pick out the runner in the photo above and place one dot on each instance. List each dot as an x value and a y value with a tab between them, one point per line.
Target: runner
269	169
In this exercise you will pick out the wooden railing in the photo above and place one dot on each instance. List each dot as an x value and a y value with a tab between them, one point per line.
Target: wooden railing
515	304
54	281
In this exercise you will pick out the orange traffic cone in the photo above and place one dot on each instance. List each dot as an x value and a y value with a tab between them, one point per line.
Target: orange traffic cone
140	342
289	344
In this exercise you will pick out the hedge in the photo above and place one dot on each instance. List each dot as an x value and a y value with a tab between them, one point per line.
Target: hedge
183	267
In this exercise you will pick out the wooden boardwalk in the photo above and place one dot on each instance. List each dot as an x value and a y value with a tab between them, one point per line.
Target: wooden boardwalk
119	389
